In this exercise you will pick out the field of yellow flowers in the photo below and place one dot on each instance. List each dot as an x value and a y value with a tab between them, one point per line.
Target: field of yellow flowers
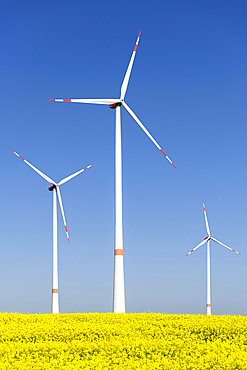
122	341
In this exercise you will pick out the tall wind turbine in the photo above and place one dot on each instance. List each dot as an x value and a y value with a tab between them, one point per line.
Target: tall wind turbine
118	292
206	240
56	192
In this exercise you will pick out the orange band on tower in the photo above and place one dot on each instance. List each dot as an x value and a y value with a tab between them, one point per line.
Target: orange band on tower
118	252
54	290
208	305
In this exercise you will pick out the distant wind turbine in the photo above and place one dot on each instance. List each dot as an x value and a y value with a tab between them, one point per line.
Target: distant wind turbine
206	240
118	293
56	192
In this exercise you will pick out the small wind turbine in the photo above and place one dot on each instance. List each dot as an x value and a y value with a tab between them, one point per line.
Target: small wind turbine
206	240
118	290
56	192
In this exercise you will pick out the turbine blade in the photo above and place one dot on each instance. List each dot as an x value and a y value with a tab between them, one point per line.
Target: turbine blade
75	174
128	72
199	245
35	169
89	101
62	211
206	220
146	131
217	241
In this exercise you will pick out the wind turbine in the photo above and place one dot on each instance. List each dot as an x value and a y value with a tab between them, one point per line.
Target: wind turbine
56	192
118	290
206	240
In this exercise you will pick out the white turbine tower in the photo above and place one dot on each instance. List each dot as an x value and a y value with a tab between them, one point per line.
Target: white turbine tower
118	293
56	192
206	240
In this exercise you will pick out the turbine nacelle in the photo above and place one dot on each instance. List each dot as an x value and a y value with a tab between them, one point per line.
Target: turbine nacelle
51	188
115	105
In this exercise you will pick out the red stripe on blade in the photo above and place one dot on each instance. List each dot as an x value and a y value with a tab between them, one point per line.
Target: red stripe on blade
66	229
67	100
163	152
50	99
174	165
21	158
11	150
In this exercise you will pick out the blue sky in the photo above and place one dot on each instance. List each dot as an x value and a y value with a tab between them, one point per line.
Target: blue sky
188	87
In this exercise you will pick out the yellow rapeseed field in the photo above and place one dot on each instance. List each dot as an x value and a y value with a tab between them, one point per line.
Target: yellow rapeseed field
122	341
